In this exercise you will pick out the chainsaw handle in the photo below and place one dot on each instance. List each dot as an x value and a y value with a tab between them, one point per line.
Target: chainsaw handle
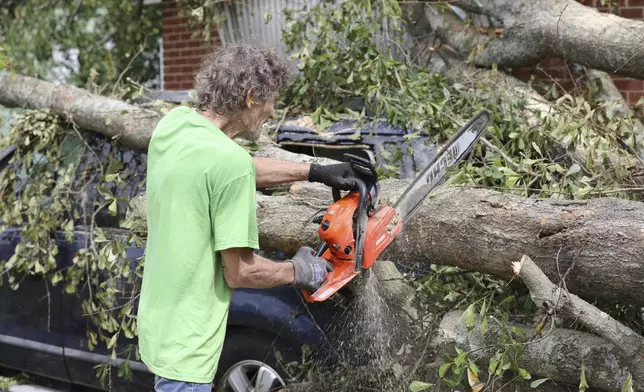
336	194
361	224
366	175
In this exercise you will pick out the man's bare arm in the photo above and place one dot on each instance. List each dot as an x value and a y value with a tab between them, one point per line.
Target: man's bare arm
270	172
244	269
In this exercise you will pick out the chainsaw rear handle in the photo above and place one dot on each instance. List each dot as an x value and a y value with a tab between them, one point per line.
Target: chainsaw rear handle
366	174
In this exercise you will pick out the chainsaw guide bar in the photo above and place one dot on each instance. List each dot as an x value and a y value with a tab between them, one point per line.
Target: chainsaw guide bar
354	232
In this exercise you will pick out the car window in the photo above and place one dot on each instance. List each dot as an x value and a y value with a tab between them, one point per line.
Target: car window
89	154
5	156
131	163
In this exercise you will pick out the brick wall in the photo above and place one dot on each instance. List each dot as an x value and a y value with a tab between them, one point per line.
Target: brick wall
182	55
555	70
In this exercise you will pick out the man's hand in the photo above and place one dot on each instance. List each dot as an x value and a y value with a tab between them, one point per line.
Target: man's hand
310	271
336	176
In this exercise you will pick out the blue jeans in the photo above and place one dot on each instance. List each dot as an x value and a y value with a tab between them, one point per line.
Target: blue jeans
164	385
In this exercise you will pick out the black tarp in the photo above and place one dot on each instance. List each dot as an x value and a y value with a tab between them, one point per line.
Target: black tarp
394	149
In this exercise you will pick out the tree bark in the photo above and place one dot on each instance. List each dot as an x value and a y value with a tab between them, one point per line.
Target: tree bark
484	230
556	299
127	124
533	30
557	355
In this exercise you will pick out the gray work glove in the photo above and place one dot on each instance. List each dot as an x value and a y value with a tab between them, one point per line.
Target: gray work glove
310	271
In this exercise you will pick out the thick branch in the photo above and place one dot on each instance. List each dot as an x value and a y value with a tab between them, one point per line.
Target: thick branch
465	39
549	28
558	354
131	125
556	299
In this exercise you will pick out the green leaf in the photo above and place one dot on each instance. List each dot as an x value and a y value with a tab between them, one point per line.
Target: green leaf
58	277
484	325
628	384
538	382
507	299
416	386
575	168
112	341
113	207
355	135
470	317
69	230
127	331
460	359
494	362
473	367
524	374
444	368
506	363
583	385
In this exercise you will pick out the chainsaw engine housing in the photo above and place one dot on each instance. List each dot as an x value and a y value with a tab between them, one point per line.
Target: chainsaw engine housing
350	224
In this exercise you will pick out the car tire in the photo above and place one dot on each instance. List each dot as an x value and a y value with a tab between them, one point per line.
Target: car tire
248	349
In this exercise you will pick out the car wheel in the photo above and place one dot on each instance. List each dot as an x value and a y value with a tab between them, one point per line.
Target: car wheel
249	362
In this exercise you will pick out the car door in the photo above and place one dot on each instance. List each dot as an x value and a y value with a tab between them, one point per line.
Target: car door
31	333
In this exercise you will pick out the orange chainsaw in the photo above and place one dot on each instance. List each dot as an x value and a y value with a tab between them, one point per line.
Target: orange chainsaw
354	231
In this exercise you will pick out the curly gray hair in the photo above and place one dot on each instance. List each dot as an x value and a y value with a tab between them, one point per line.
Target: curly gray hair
229	72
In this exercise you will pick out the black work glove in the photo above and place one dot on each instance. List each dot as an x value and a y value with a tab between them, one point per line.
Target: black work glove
335	176
310	271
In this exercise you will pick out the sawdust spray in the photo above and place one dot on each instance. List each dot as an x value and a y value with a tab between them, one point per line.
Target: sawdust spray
378	359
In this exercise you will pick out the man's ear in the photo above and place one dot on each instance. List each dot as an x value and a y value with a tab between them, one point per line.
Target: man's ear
249	98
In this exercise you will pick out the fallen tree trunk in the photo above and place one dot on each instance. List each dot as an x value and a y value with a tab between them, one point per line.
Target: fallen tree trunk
556	353
483	230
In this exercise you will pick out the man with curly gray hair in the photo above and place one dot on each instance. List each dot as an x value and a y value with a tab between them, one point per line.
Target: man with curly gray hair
201	218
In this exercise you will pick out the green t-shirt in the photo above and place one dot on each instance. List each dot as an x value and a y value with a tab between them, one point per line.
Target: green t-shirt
200	200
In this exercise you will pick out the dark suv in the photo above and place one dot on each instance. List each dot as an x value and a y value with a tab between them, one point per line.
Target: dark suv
43	331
